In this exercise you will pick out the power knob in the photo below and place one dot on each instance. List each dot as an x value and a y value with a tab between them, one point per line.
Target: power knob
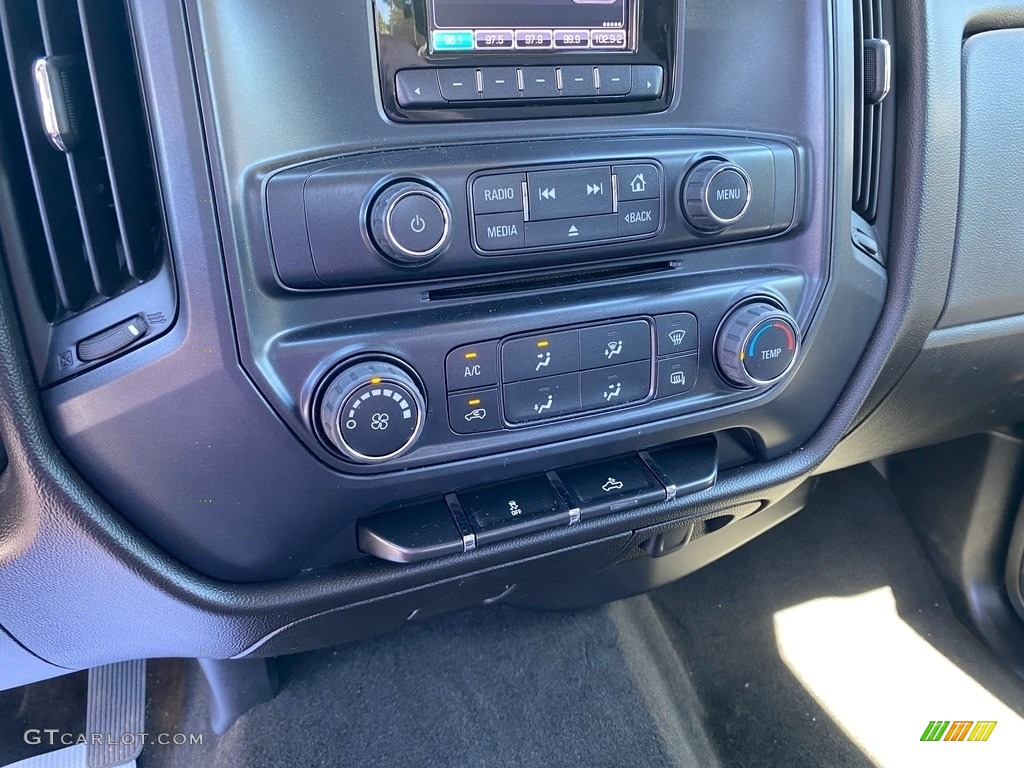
756	345
716	193
410	223
371	411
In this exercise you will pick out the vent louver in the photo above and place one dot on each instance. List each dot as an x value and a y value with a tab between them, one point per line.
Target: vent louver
872	68
97	214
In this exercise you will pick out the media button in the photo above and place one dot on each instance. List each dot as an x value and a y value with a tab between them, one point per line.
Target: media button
580	229
492	39
572	38
500	231
579	81
527	401
540	83
533	38
570	192
618	385
545	354
498	194
605	345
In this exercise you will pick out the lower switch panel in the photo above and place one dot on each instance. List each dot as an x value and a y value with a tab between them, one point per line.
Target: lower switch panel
474	517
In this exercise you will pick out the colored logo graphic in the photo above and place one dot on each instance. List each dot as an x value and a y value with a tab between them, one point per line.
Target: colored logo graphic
958	730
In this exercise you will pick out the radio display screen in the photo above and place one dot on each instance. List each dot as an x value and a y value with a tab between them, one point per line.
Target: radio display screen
528	25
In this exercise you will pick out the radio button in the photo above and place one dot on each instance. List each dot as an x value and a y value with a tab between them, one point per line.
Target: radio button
527	401
472	412
416	88
578	81
641	217
500	231
540	82
570	192
533	357
648	80
570	231
676	375
641	181
498	194
605	345
472	365
676	333
499	82
458	84
614	79
620	384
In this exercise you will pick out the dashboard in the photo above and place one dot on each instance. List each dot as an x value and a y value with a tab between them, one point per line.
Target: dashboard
427	304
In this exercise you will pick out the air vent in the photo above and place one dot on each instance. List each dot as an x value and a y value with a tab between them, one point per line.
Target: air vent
79	113
872	74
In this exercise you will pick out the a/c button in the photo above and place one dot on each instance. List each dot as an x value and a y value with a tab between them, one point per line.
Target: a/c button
472	365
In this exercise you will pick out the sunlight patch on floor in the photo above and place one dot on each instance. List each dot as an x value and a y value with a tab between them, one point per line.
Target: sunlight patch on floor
881	682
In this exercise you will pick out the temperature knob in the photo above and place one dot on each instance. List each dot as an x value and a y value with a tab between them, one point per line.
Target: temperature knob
372	411
756	344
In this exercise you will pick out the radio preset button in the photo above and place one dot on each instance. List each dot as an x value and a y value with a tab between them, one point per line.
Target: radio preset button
498	194
527	401
472	412
607	38
605	345
579	81
458	84
533	357
614	79
563	194
540	82
533	38
572	38
472	365
492	39
499	83
617	385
